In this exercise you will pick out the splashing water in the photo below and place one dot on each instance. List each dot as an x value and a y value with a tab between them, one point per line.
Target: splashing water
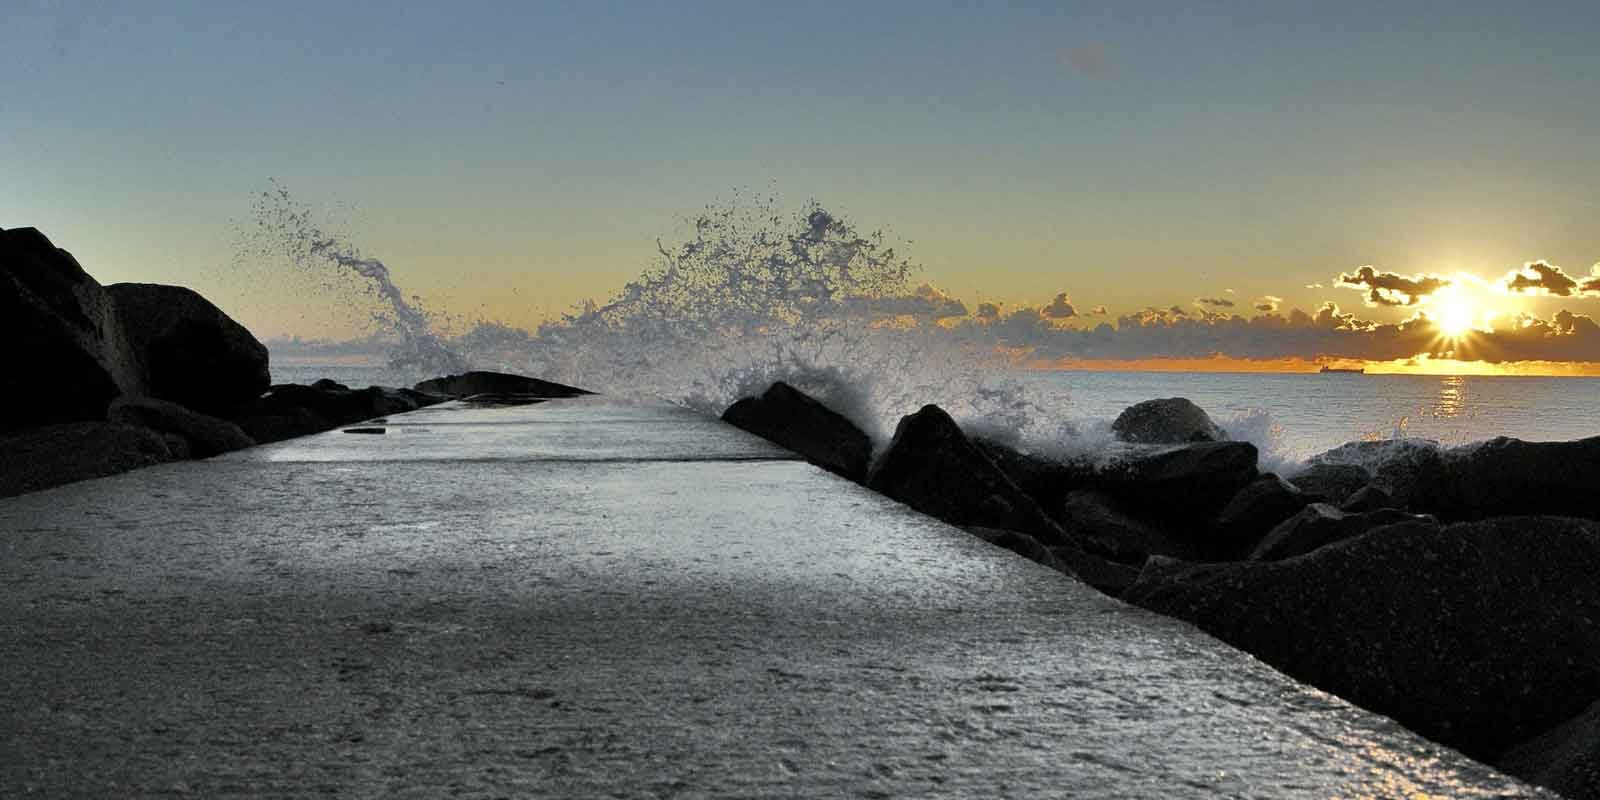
751	296
284	228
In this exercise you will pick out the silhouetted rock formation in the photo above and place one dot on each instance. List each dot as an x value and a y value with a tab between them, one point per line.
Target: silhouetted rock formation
67	355
1332	483
1252	512
789	418
931	466
204	435
55	454
1104	527
188	351
290	410
1479	636
1183	484
1565	758
1368	498
472	383
1319	525
1173	420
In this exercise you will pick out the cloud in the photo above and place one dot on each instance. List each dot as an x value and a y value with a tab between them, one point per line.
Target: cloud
988	312
1544	278
1085	60
1060	308
1100	311
1325	332
1268	303
1314	286
1391	288
1215	302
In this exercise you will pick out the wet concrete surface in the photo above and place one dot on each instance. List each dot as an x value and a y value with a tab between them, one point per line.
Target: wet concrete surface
585	598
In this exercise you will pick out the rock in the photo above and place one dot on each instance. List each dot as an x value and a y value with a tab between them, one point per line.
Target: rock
188	351
1565	758
76	451
1020	543
1103	528
1332	483
1173	420
931	466
1319	525
67	357
275	425
1367	498
1253	511
1505	476
205	436
1108	577
1045	480
478	382
1187	485
1479	636
787	417
1407	469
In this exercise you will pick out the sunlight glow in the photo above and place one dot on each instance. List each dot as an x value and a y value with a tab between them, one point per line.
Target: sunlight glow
1453	312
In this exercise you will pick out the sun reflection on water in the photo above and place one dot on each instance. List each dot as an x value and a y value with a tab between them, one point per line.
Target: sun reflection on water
1452	398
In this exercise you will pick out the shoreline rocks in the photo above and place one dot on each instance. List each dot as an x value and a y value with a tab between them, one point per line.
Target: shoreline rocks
787	417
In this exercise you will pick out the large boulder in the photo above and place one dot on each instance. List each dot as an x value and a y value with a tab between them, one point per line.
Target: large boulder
1367	498
1172	420
1480	636
476	382
1407	469
931	466
1507	476
76	451
289	410
1565	758
1102	526
188	351
67	357
1187	485
1252	512
1046	480
205	436
1320	524
789	418
1332	483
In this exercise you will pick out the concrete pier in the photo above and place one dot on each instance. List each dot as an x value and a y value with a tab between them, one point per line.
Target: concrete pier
591	598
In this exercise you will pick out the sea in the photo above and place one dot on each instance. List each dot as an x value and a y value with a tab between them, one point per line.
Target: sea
1291	415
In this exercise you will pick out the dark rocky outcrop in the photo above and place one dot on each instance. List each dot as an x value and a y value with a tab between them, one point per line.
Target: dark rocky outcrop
931	466
1368	498
789	418
479	382
1480	635
1173	420
1045	480
52	455
67	357
289	410
1252	512
1188	484
1102	527
1109	577
1565	758
188	351
204	436
1320	525
1020	543
1406	469
1332	483
1507	476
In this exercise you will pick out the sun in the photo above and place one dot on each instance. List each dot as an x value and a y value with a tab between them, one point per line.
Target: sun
1453	313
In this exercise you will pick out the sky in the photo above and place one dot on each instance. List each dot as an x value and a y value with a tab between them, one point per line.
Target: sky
509	160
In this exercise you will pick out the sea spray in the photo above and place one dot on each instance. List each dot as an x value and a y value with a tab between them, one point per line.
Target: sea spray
284	228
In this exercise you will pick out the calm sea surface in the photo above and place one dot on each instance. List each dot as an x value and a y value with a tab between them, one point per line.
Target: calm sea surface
1304	413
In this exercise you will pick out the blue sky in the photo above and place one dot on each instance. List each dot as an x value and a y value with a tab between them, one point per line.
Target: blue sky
1125	153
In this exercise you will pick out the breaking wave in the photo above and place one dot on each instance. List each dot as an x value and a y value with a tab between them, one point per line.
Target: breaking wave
749	295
